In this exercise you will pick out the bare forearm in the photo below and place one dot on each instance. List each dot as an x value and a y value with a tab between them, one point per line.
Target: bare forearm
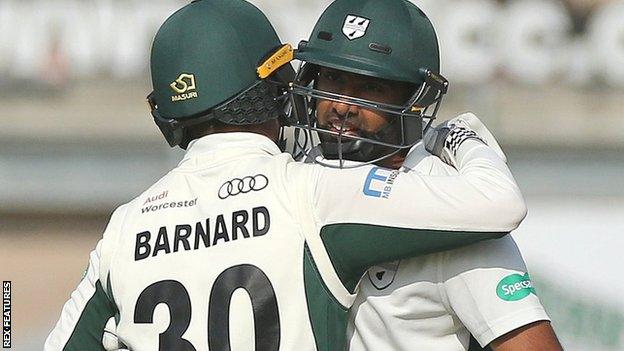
538	336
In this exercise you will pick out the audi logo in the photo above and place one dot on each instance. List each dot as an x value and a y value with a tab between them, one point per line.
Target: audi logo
238	186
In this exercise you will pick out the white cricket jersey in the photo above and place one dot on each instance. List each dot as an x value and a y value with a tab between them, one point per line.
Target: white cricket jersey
240	246
435	302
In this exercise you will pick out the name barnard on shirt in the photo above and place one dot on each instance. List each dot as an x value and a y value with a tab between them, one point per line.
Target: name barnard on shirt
203	234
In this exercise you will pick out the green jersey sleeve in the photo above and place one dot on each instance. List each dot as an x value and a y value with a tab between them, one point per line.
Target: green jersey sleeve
370	215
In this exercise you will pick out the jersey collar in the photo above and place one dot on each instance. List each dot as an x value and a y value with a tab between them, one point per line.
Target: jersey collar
227	143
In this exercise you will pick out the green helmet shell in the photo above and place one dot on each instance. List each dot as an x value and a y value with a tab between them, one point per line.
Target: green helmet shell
369	37
206	53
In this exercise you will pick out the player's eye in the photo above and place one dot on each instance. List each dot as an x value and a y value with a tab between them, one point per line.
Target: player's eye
331	76
373	88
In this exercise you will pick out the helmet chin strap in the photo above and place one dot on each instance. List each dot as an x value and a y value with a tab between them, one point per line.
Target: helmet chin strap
356	150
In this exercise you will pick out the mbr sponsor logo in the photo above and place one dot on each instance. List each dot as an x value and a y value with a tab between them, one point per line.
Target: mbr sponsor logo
373	186
515	287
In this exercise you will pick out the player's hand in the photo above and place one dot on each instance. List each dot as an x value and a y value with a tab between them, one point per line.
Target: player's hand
110	342
473	123
445	139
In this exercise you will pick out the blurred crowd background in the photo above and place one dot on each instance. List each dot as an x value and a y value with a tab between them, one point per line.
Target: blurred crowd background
77	140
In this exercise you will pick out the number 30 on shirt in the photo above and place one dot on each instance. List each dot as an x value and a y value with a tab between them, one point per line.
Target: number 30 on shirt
176	297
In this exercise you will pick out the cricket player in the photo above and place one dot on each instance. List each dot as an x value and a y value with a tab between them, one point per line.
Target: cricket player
361	66
241	247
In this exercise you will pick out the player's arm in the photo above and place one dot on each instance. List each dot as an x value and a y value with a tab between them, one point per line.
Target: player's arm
371	215
487	287
84	317
538	336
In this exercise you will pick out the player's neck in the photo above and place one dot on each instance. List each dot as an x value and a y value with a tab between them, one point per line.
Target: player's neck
269	129
393	162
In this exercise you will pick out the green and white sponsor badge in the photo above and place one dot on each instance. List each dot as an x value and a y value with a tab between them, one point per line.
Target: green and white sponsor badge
515	287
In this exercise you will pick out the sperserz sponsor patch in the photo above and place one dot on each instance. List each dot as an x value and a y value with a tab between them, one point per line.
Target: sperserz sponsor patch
379	182
515	287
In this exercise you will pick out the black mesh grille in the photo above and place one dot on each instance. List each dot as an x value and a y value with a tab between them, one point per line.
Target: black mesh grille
255	106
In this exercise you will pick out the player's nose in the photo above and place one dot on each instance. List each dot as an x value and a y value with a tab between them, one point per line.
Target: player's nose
342	109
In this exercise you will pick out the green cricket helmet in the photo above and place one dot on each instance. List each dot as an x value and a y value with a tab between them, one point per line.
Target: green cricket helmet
217	60
387	39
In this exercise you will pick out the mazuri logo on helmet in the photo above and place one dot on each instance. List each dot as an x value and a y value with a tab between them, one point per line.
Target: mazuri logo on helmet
185	87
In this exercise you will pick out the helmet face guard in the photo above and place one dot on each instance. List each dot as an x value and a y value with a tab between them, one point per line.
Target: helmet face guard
406	127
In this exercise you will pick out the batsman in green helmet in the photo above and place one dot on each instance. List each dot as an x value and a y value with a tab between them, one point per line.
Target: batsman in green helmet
389	48
241	247
370	87
227	76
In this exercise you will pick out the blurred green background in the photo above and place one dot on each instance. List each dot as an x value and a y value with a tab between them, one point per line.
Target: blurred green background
546	76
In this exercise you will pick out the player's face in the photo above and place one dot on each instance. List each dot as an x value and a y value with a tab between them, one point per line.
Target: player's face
355	120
